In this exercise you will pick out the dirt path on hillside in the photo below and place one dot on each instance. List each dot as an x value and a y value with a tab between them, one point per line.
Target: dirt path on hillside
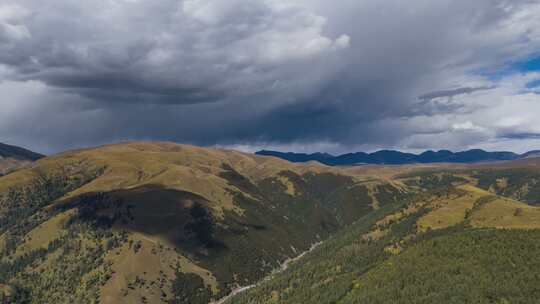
284	266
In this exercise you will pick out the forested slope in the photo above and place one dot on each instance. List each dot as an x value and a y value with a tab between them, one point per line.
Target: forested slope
453	242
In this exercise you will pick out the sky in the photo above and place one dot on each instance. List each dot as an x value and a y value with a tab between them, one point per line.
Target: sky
291	75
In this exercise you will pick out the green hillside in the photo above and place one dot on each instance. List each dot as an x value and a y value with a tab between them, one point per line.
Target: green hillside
157	222
166	223
453	242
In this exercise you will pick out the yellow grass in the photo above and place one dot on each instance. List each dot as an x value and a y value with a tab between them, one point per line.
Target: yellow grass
449	212
174	166
9	164
372	192
506	213
43	234
502	213
394	249
155	263
378	233
289	186
6	290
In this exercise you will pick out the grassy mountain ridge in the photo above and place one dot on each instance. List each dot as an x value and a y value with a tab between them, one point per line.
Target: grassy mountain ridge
166	223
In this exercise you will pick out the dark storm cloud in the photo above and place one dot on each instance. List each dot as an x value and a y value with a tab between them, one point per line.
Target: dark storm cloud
183	51
256	72
518	135
451	93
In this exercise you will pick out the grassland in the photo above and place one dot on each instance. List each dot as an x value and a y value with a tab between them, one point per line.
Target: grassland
8	165
167	223
504	213
452	210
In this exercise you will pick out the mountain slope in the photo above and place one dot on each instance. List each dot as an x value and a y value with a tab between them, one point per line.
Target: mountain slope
453	242
12	158
391	157
7	151
157	222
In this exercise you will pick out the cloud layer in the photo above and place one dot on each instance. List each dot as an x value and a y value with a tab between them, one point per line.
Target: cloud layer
301	74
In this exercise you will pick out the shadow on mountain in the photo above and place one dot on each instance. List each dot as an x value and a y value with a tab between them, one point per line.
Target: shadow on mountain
180	217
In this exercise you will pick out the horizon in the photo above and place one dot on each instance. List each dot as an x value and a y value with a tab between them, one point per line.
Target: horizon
300	75
396	150
262	149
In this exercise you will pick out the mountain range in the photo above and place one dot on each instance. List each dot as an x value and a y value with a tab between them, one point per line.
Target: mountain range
167	223
392	157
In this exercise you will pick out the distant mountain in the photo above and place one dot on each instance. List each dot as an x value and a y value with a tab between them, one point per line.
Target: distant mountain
298	157
13	158
531	154
8	151
391	157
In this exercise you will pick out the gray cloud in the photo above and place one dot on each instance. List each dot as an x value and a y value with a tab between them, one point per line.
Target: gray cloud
451	93
175	51
244	72
519	135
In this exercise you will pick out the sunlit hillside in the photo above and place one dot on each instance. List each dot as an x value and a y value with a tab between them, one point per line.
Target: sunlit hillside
166	222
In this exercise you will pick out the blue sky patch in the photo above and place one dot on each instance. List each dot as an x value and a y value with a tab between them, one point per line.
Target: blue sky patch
530	65
533	84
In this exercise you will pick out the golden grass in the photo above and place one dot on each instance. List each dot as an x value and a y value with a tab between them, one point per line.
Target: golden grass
133	163
504	213
42	235
394	248
174	166
501	213
382	226
452	211
2	241
6	290
290	189
10	164
182	167
372	191
155	263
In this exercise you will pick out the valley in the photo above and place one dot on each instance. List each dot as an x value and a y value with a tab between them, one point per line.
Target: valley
457	241
159	222
167	223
